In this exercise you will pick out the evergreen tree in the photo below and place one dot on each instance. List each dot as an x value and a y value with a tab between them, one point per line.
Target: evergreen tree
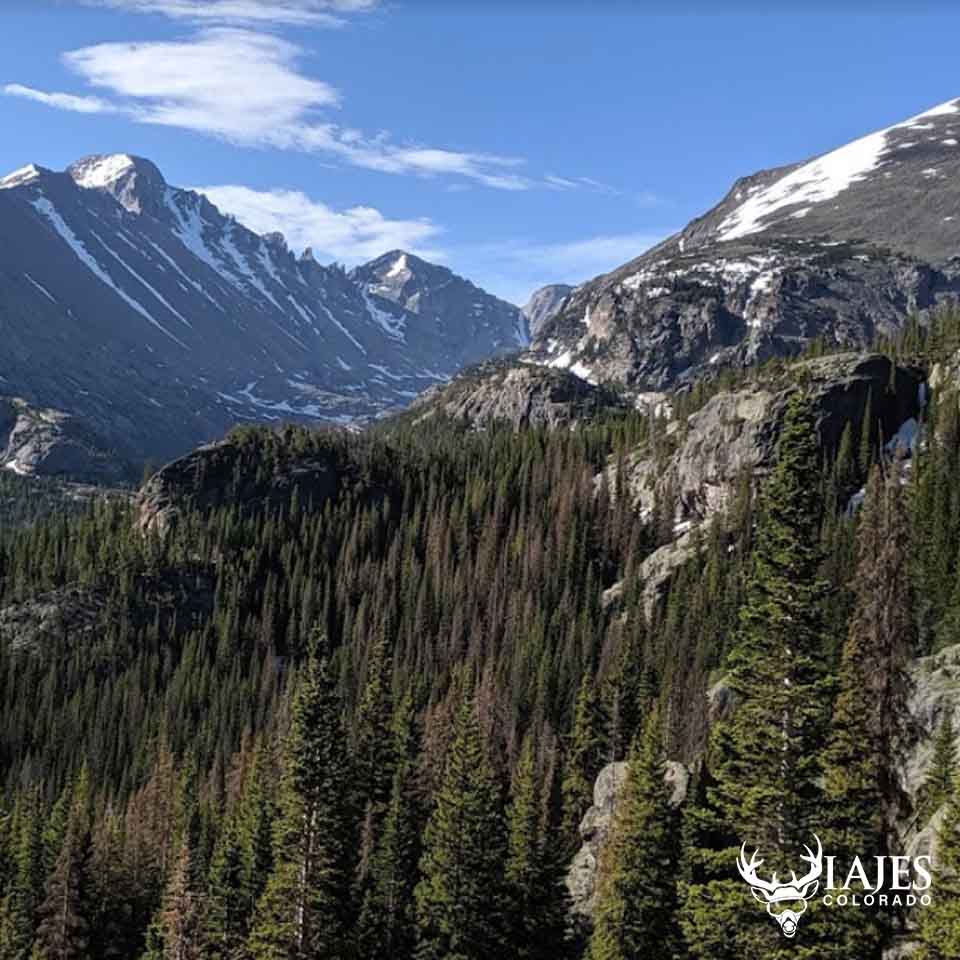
228	901
63	932
461	901
255	823
626	695
867	429
18	916
764	757
372	766
939	932
387	923
636	911
942	773
868	727
303	912
177	927
372	759
534	870
583	759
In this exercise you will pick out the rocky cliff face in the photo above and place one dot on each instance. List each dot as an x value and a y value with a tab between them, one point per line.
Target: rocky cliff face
736	432
544	304
843	247
52	442
256	468
142	311
701	460
520	395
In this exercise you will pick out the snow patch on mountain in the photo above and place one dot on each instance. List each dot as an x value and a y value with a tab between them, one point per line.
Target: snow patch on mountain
341	327
20	177
43	206
101	171
157	295
41	288
398	267
392	326
822	178
193	283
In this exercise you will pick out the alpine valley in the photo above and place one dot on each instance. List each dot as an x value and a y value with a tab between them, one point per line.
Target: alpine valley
527	627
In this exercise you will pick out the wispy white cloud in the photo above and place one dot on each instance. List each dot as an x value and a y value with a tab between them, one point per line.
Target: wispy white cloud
350	236
63	101
323	13
586	258
578	183
234	83
513	269
245	87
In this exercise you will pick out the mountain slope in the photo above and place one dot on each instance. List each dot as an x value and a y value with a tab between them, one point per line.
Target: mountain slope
159	321
544	304
430	294
844	247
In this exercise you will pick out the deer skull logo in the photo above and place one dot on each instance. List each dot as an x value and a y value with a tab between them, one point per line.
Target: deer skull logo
794	895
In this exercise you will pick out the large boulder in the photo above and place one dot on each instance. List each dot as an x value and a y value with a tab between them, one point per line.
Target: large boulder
595	827
656	570
30	625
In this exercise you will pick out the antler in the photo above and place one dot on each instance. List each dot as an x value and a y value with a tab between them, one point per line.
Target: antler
816	862
775	888
749	871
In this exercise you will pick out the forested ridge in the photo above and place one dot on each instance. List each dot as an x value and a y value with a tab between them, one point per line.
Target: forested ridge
365	722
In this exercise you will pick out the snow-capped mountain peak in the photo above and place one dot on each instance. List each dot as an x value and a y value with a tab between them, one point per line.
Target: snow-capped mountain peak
435	294
100	170
825	177
843	246
191	322
18	178
134	182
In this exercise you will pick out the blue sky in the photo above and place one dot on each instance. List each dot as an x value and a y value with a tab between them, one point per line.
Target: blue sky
520	143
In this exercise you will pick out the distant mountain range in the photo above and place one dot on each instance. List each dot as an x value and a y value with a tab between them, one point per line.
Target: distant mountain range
843	246
138	320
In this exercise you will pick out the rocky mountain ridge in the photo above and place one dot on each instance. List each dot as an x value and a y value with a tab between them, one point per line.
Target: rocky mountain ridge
843	247
142	311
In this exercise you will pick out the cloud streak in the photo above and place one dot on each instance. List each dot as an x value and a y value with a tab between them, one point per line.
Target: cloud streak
267	13
198	84
351	236
62	101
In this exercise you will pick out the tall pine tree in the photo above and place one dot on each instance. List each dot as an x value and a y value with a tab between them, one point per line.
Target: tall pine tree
636	912
461	903
534	870
763	758
304	911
